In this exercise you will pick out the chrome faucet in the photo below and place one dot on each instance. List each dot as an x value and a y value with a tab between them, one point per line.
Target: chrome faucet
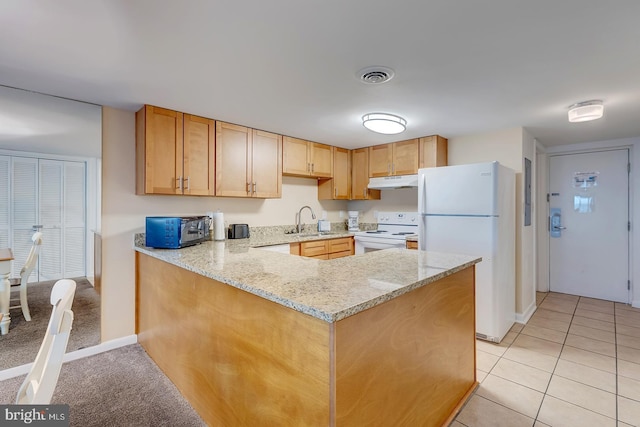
313	216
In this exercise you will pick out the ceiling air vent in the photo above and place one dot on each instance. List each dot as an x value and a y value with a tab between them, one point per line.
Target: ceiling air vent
375	75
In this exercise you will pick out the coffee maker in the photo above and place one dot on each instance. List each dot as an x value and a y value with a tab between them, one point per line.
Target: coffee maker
352	222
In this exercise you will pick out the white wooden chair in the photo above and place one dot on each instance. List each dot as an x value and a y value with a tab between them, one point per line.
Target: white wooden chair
27	269
41	380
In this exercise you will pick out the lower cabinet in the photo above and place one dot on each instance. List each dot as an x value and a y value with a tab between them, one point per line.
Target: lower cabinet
324	249
412	244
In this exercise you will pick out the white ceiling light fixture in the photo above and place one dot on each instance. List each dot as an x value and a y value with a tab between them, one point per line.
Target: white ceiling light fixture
586	111
388	124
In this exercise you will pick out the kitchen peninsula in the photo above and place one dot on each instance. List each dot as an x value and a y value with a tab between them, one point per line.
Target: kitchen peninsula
253	337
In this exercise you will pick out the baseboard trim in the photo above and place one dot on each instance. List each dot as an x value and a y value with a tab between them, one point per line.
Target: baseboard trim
524	317
74	355
635	304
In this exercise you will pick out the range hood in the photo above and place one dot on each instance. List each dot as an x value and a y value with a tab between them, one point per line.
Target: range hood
389	182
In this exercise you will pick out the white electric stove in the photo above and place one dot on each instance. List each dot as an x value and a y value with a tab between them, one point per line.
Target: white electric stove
392	232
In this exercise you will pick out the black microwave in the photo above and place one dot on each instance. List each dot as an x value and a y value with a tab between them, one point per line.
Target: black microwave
173	232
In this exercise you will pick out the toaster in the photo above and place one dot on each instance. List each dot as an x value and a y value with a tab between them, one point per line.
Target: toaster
176	232
238	231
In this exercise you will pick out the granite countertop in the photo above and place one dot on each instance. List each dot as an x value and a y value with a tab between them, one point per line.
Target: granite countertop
329	290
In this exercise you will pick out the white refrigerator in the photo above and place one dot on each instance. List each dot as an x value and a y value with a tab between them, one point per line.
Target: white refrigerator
470	209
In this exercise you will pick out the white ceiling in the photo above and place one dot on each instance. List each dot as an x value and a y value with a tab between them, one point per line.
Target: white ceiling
289	66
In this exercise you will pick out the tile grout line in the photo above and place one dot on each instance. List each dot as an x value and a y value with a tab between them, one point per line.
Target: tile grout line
557	360
553	373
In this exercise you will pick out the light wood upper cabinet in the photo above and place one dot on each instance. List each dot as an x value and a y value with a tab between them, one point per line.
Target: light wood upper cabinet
248	162
321	160
405	157
266	164
338	187
306	158
174	153
433	151
360	176
198	156
380	159
398	158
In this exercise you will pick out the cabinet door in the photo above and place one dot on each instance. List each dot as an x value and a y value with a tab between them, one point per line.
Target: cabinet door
199	156
266	165
380	158
232	160
360	176
433	151
321	160
295	157
158	151
405	157
341	245
338	187
314	248
341	173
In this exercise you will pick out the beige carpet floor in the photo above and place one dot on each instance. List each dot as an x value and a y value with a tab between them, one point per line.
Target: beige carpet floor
21	344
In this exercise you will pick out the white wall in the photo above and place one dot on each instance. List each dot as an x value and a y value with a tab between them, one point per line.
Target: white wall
509	147
542	233
123	214
526	299
399	200
634	145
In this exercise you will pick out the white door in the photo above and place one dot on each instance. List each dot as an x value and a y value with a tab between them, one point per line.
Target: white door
589	224
48	194
24	211
61	206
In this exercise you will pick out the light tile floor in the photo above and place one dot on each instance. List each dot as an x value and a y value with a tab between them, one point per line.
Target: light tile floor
575	363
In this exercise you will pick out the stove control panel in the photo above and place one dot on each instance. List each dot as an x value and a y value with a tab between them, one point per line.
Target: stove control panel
398	218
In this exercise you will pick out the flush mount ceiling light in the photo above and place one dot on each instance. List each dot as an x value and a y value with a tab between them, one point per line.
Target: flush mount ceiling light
586	111
388	124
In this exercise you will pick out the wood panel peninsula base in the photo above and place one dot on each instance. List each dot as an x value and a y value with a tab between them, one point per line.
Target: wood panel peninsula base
243	360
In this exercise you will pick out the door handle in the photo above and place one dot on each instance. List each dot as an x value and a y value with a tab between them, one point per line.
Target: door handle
555	229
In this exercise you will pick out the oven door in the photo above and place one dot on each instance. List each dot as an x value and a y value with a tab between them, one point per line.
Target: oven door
369	244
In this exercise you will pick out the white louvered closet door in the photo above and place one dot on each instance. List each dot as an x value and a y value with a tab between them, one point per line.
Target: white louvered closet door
74	218
24	210
51	194
50	212
62	216
5	179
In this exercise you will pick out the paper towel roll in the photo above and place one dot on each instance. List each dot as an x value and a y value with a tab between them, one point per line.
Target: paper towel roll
218	226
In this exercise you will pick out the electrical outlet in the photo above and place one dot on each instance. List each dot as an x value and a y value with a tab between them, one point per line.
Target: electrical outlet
341	214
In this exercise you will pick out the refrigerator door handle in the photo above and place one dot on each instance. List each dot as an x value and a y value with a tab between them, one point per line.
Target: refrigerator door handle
422	209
